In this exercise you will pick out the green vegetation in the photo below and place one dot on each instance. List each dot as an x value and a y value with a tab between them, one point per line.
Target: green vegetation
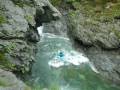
10	47
29	18
101	14
116	32
3	82
100	11
27	88
22	3
59	2
56	2
52	87
5	63
2	19
19	3
37	88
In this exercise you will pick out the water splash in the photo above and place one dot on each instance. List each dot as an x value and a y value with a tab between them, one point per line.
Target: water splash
40	30
74	58
75	73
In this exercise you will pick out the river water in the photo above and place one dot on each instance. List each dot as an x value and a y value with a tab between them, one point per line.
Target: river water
77	74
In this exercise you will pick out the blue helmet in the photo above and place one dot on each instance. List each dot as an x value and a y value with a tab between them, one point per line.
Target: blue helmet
61	54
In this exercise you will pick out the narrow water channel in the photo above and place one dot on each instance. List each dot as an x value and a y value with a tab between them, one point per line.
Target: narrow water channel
73	76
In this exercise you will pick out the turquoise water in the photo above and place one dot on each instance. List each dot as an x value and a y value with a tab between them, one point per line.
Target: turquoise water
70	77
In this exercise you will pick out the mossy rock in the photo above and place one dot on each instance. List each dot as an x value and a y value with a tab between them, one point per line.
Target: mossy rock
2	19
22	3
116	32
54	87
5	63
30	19
27	88
107	11
3	82
56	2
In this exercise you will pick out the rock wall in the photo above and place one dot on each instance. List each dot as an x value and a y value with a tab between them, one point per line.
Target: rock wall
58	27
18	34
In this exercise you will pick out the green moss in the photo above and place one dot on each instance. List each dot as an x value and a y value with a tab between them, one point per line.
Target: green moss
2	19
56	2
3	82
112	12
54	87
29	18
5	51
22	3
37	88
72	14
96	11
5	63
27	88
116	32
9	48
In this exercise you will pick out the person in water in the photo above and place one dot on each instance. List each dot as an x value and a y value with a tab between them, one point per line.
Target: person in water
61	56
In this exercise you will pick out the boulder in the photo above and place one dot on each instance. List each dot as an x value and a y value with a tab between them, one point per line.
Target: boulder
95	33
8	81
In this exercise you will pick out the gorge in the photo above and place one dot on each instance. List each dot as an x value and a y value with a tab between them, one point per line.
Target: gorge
33	32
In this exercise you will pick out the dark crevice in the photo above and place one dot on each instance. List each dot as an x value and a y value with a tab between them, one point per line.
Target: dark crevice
11	37
43	18
32	34
118	72
46	17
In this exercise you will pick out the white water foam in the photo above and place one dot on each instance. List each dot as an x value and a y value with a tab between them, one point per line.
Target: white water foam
55	36
40	30
74	58
56	63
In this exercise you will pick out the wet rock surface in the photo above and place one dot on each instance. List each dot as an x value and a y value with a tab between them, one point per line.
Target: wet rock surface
107	62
